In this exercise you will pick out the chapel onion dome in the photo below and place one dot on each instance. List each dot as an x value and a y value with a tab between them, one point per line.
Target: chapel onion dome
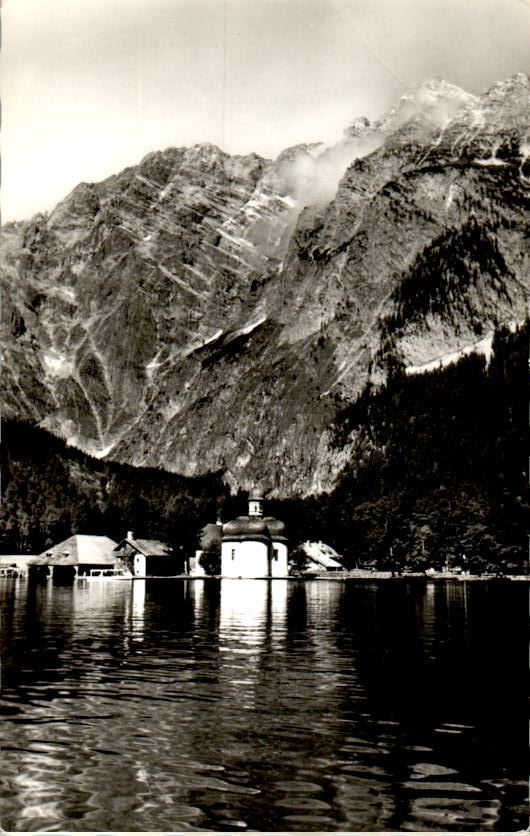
256	494
276	528
246	528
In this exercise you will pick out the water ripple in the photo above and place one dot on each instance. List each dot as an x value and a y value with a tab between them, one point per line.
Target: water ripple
304	707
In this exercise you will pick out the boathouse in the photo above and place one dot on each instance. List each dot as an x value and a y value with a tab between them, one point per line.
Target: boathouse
254	546
150	558
78	556
15	565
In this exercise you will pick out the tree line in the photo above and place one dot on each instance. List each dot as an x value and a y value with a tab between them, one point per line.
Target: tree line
51	491
439	468
438	473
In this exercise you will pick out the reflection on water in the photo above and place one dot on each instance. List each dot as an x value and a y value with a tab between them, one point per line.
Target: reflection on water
196	705
138	609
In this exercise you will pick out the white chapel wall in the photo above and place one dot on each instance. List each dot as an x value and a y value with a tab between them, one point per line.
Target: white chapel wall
280	566
249	559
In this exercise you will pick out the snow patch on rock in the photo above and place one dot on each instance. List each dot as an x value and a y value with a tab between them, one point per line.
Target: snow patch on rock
57	364
483	346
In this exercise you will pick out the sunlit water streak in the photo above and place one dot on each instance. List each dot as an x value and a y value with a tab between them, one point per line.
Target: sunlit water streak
272	706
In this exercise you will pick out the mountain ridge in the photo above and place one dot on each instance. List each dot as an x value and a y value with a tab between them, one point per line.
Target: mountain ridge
201	311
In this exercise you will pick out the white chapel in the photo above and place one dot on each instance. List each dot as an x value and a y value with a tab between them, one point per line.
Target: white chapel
254	546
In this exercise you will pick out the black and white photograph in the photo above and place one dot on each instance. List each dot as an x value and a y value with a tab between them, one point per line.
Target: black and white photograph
265	332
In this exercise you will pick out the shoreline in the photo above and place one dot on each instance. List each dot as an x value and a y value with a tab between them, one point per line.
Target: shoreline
358	575
355	575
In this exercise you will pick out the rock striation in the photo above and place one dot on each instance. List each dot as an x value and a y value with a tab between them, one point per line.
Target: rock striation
202	311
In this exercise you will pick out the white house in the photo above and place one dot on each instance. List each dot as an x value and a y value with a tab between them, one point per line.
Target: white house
321	556
254	546
150	558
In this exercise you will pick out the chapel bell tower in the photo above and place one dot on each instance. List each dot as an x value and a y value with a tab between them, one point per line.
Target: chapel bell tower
255	503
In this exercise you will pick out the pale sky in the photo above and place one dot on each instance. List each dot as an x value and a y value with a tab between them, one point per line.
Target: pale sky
90	86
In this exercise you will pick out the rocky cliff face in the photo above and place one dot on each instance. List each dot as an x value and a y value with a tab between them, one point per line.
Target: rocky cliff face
201	311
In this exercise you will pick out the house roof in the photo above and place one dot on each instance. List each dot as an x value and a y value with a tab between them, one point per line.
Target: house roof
322	554
18	559
78	550
149	548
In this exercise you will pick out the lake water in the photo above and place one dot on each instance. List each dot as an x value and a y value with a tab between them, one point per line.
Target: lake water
275	706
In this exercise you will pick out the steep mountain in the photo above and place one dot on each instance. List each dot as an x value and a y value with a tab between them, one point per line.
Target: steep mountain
458	435
201	312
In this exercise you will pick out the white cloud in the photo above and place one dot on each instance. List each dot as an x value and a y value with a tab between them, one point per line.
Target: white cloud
89	87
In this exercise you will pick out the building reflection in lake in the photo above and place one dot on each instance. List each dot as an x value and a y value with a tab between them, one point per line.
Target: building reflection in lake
252	612
197	596
252	609
138	610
